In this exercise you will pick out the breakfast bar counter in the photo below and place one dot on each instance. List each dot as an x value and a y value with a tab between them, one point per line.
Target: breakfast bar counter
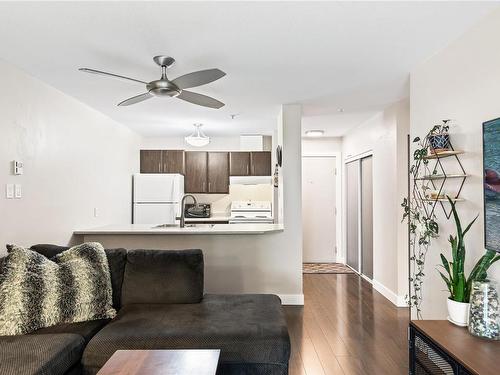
239	258
145	229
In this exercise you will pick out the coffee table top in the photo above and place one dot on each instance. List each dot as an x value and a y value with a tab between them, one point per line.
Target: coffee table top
164	362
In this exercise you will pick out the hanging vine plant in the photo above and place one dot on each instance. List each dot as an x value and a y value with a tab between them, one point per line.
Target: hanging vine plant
422	224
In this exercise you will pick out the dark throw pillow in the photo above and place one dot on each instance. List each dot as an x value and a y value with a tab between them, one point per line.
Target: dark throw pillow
37	292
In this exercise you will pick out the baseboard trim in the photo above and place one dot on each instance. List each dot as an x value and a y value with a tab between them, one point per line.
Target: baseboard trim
398	301
292	299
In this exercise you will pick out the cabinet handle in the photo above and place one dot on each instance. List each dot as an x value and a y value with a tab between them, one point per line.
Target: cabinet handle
209	185
159	167
247	170
165	168
203	186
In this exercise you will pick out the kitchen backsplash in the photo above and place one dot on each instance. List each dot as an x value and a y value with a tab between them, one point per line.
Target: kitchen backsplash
221	203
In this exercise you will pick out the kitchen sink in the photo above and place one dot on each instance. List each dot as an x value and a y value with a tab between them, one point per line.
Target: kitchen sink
206	226
166	226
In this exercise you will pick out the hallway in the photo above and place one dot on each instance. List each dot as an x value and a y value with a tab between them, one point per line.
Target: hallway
346	327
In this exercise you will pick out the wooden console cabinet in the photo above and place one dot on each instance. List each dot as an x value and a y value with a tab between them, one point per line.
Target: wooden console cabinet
438	347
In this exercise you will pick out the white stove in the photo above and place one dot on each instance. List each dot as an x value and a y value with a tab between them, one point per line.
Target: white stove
244	212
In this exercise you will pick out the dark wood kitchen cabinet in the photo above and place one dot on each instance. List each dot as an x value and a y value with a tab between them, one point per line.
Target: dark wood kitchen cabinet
173	161
162	161
260	163
255	163
195	179
239	162
218	172
206	172
151	161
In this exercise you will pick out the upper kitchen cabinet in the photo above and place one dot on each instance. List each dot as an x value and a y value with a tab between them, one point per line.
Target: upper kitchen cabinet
173	161
151	161
260	163
254	163
218	172
162	161
195	180
239	162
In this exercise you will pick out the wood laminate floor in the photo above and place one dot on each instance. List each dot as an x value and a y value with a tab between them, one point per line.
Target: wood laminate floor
346	327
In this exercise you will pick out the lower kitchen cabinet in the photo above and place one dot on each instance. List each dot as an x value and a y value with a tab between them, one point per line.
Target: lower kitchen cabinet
218	172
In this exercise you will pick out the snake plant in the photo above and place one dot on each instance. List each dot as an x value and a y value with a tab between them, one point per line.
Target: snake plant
458	285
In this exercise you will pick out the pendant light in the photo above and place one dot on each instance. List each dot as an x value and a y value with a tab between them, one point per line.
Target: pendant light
198	138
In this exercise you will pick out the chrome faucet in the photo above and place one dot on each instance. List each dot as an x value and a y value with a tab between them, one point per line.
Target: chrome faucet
182	218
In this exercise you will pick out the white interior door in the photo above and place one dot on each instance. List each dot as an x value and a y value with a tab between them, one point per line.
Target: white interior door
318	209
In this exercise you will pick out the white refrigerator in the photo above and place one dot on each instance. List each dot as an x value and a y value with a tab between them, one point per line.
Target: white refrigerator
157	198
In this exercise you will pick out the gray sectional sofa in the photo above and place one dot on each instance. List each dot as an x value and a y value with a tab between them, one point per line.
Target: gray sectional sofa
160	302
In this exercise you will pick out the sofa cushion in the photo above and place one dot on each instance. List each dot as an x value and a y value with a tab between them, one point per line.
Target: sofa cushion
116	261
249	329
36	292
163	276
85	329
50	354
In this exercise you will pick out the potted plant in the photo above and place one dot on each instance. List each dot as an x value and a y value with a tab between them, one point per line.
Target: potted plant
458	285
439	138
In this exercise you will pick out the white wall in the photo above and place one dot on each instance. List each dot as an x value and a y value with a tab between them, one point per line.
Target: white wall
217	143
385	136
178	143
462	83
318	146
75	160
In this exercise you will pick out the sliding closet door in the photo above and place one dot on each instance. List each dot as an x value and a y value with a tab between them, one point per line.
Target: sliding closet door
367	217
352	208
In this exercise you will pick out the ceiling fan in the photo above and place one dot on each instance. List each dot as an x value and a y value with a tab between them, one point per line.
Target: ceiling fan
175	88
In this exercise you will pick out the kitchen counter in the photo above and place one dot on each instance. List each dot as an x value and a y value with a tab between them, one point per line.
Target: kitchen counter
145	229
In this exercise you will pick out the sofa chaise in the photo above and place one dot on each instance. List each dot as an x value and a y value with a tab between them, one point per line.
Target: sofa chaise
158	295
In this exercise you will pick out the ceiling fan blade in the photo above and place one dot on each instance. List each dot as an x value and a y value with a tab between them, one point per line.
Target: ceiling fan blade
199	78
93	71
136	99
205	101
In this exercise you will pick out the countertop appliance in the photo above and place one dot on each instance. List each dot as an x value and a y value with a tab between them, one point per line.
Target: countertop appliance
157	197
202	211
243	212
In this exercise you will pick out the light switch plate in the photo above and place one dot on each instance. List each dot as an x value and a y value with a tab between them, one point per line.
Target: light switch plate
9	191
18	167
18	193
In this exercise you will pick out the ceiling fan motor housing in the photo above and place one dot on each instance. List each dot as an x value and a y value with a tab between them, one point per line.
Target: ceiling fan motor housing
163	87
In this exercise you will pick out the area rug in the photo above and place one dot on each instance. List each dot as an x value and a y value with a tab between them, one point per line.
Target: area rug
325	268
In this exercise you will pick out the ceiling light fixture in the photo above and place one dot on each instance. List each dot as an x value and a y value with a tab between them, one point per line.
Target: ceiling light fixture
198	138
315	133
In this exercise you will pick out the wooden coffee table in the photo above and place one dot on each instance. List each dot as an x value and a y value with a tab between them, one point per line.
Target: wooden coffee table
164	362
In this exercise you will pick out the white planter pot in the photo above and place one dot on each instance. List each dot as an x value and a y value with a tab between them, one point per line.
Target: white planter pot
458	313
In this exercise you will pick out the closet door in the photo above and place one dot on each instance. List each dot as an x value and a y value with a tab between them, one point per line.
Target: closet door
367	217
352	208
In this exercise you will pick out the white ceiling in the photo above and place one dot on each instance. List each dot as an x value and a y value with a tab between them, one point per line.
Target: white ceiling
349	55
